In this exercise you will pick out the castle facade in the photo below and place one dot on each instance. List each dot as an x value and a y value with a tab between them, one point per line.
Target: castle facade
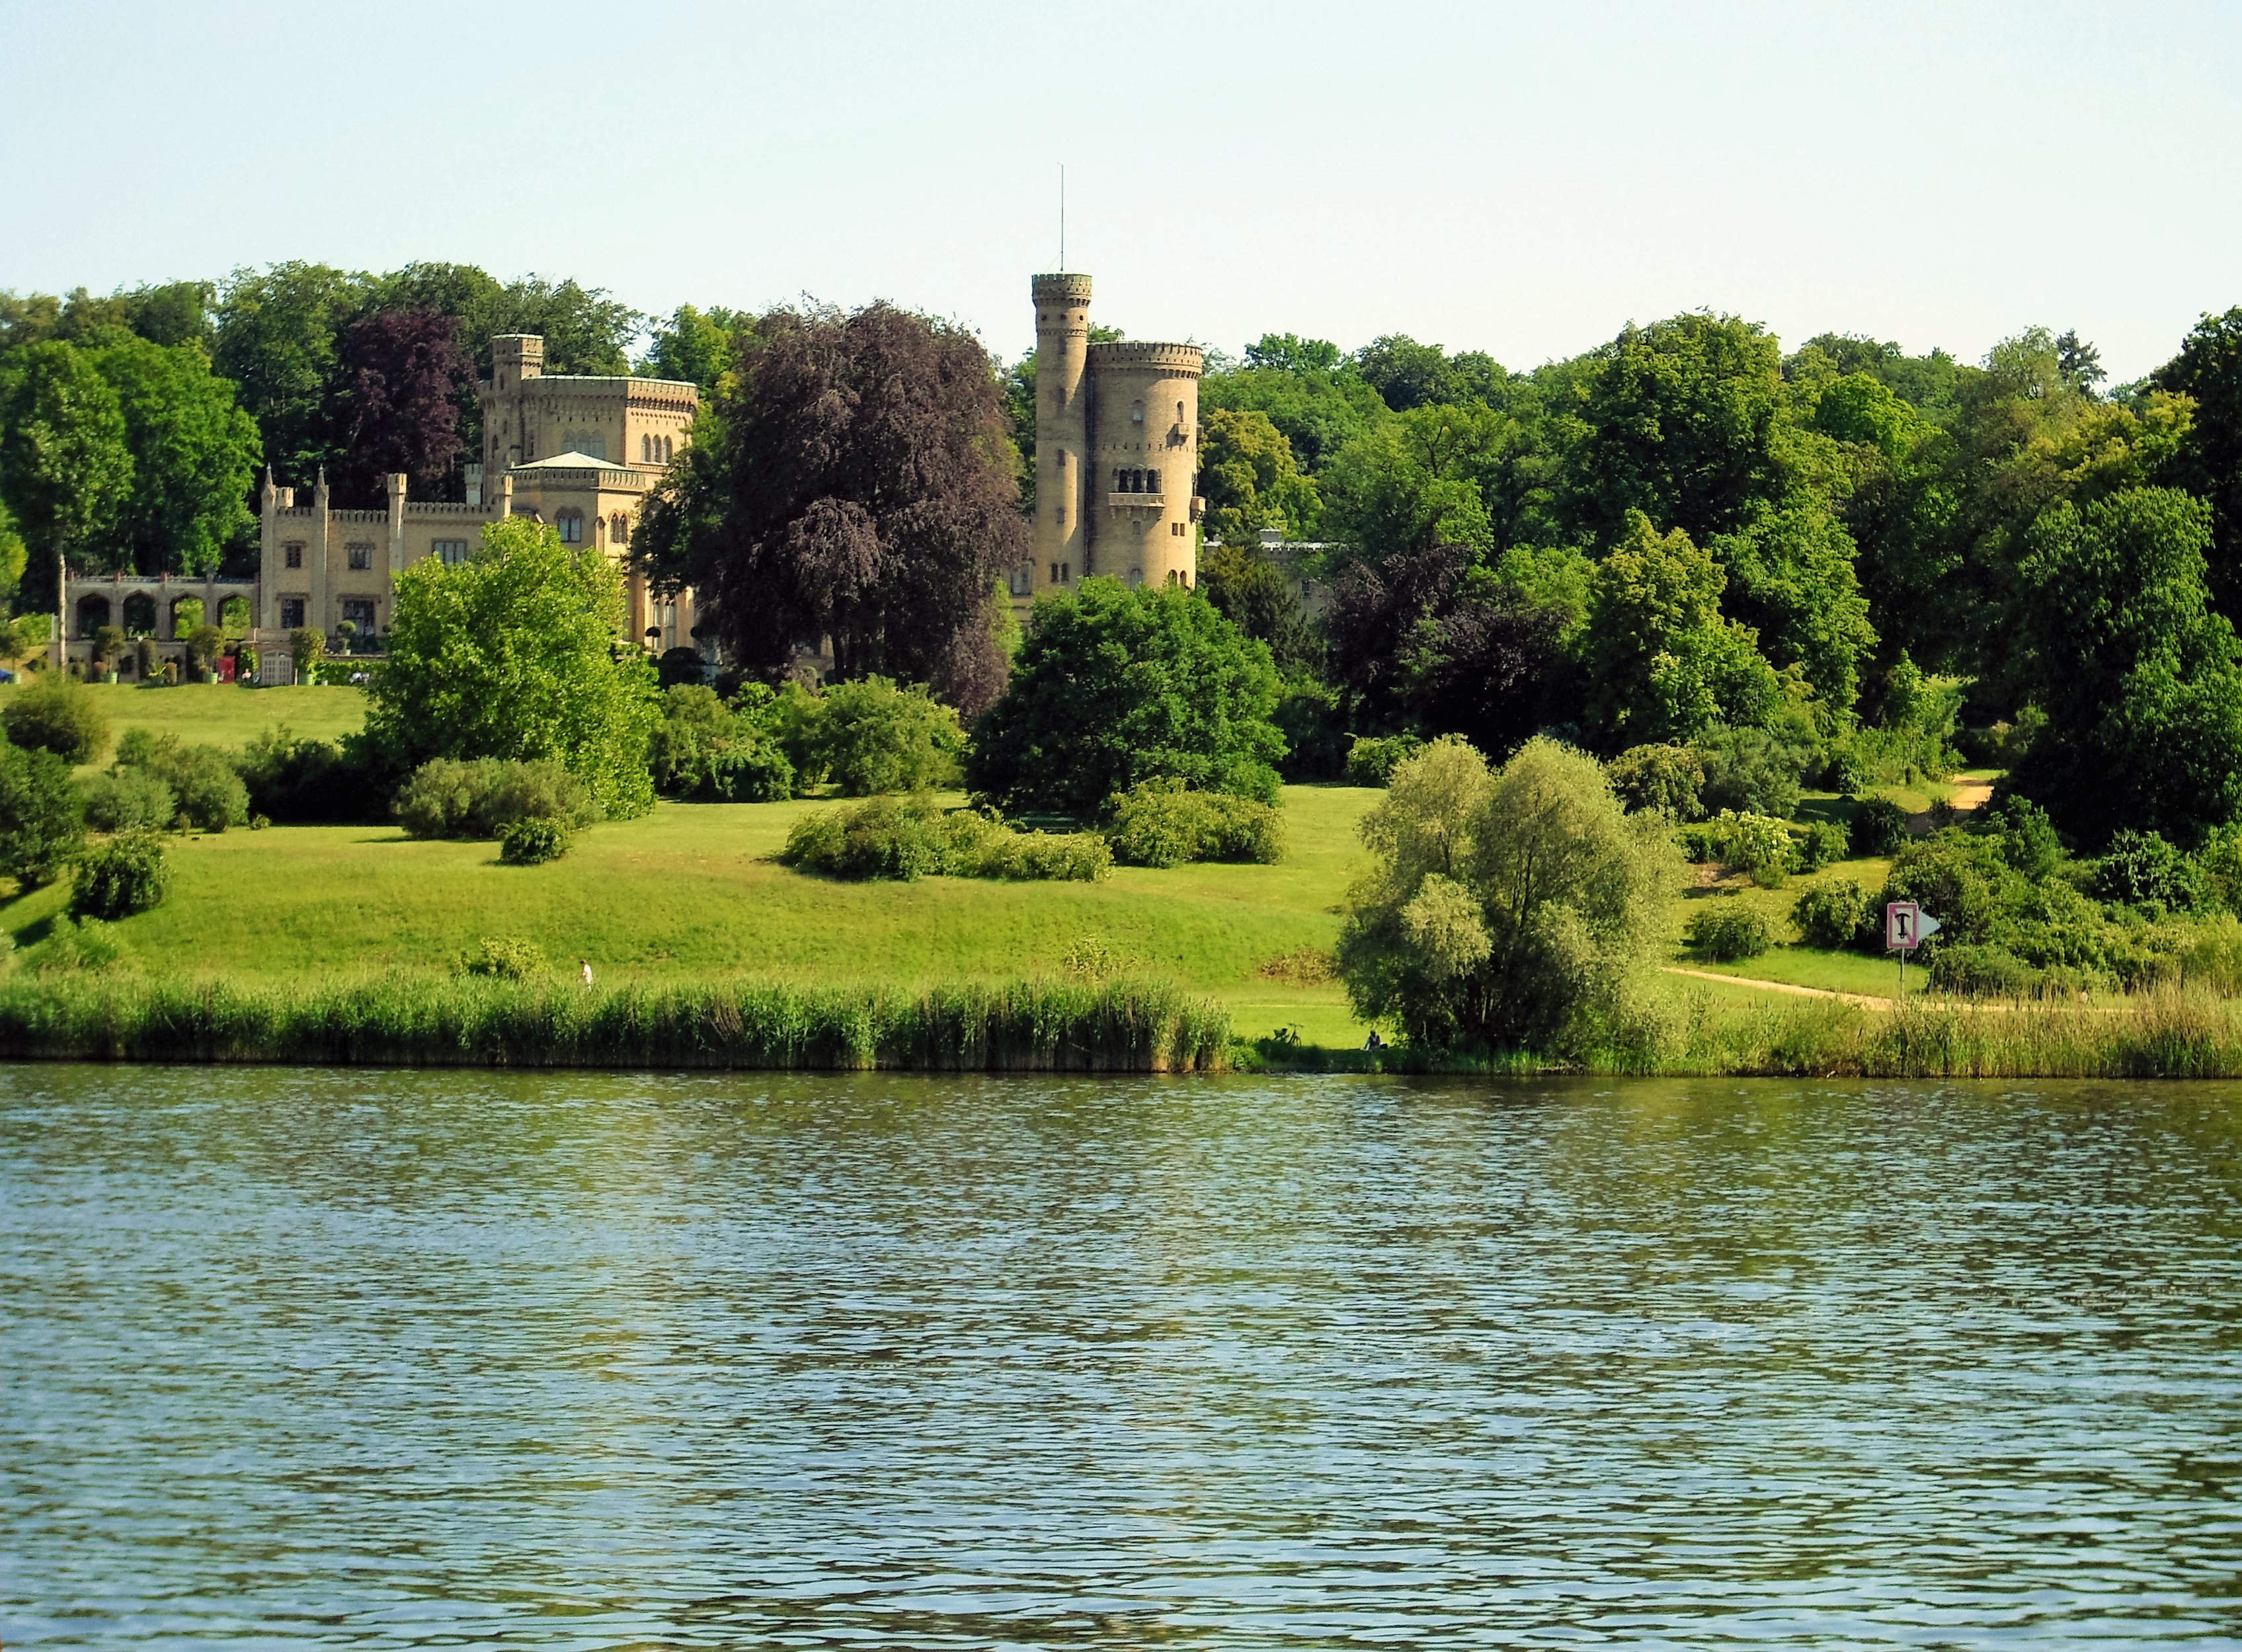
1116	452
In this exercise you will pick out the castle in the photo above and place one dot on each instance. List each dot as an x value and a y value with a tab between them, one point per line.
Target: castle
1116	452
547	439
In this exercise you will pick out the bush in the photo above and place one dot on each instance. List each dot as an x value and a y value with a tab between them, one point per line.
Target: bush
306	648
57	714
1160	824
1751	771
1726	929
1878	829
73	946
508	958
314	782
129	799
447	798
2141	869
204	644
1307	715
1981	972
1820	845
41	830
751	773
1667	777
124	876
208	791
1372	762
702	751
1520	908
874	738
533	841
1831	915
905	839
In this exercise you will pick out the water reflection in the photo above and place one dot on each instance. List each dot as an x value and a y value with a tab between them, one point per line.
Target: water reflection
446	1358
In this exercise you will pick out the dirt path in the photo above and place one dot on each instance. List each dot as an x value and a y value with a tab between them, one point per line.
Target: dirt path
1782	986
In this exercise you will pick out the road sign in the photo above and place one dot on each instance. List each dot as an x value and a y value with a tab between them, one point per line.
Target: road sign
1907	926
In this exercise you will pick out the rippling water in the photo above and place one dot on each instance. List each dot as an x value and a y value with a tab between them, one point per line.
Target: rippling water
384	1359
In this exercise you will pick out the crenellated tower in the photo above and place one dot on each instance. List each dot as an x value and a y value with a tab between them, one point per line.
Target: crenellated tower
1061	428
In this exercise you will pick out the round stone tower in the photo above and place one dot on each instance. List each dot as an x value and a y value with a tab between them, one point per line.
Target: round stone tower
1144	454
1062	430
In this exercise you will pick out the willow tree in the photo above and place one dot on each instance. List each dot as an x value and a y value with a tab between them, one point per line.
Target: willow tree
856	482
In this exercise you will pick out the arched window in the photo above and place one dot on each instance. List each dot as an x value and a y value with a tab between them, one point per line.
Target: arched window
1152	481
1136	413
665	450
645	450
571	524
619	529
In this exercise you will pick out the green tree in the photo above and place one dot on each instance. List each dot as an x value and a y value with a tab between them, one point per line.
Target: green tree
57	714
1664	662
1407	374
1250	481
1516	910
1253	594
1319	409
871	736
1463	474
194	454
1790	578
65	470
2208	370
694	345
2138	678
276	333
513	655
41	828
1113	687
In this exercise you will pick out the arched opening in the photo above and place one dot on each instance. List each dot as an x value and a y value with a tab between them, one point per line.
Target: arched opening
619	528
186	614
140	614
571	524
92	614
234	615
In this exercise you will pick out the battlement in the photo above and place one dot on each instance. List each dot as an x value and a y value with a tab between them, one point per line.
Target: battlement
365	518
1187	359
1062	289
437	507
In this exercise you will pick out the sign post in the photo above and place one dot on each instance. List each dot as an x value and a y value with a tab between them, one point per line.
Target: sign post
1907	926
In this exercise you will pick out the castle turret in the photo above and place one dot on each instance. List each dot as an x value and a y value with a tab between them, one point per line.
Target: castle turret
1061	428
516	356
1144	457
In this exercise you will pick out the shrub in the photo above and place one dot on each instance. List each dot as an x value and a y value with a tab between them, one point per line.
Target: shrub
1759	843
978	845
1878	828
533	841
41	830
1831	914
908	838
124	876
1307	715
306	648
1370	761
2141	869
1518	909
1981	972
127	799
108	645
204	644
1160	823
314	782
875	738
74	945
57	714
1726	929
208	791
447	798
508	958
701	751
2212	956
1751	771
750	773
1820	845
2028	839
1667	777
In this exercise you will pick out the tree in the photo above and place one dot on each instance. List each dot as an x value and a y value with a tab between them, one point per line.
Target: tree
41	828
1317	408
65	470
1113	687
1680	421
1461	473
1790	578
276	340
857	486
399	375
1253	594
1247	476
57	714
194	456
1407	374
513	655
1515	910
1664	663
2141	681
694	345
2208	369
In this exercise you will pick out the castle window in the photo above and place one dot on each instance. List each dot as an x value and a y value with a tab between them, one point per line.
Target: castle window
1152	481
293	556
1023	580
571	524
291	613
361	557
645	449
1136	413
1136	577
665	450
359	610
1179	414
450	552
619	528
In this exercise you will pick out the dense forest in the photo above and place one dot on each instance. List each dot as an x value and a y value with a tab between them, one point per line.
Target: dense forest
1686	548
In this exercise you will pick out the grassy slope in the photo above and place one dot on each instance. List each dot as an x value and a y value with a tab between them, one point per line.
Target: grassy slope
693	890
223	714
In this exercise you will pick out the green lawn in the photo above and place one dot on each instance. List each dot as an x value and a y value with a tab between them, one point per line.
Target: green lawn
223	714
693	890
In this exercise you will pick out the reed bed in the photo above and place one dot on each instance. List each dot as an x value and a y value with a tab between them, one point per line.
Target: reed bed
429	1020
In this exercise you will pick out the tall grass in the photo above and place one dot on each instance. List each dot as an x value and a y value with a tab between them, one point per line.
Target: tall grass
402	1019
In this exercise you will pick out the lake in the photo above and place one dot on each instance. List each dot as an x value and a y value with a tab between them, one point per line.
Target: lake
384	1360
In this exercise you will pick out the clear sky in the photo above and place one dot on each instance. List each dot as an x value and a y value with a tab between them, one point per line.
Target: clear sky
1521	179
